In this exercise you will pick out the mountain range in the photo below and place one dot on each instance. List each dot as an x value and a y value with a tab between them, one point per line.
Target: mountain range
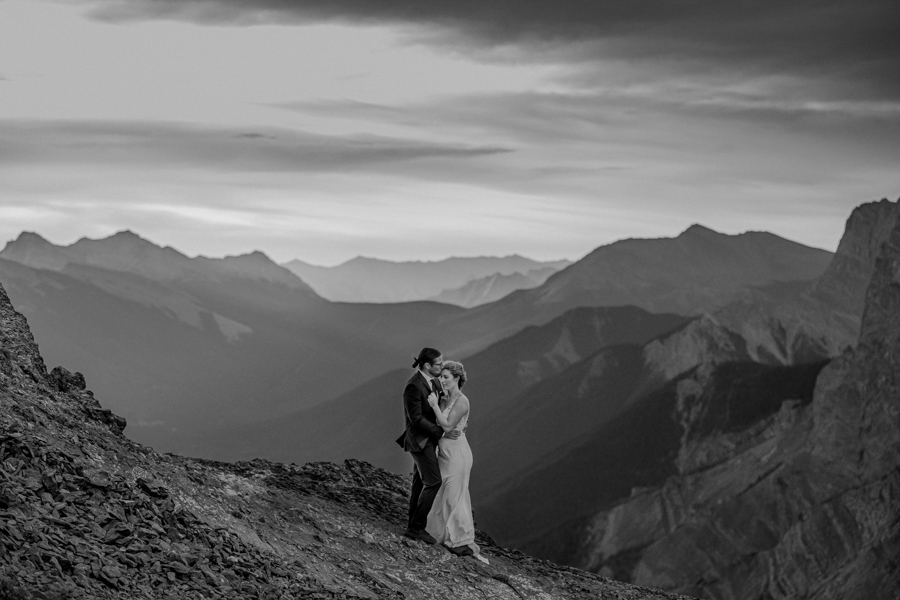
698	271
457	280
182	344
188	347
699	414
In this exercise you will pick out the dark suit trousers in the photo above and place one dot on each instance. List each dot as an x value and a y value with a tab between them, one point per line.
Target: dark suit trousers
425	485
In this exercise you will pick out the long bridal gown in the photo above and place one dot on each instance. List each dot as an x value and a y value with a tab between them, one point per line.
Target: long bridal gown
450	520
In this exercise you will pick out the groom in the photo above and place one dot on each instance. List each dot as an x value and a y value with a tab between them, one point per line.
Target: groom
420	440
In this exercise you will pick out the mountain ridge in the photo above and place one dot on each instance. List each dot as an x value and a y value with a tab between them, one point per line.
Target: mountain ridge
688	275
367	279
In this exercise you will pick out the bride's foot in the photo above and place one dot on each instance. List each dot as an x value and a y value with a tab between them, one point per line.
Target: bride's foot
460	550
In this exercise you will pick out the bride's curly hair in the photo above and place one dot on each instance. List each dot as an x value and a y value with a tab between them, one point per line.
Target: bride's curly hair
456	369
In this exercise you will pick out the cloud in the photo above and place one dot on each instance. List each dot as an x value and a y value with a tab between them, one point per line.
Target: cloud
665	151
851	44
182	146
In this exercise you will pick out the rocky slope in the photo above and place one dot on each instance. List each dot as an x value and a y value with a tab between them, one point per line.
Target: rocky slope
804	503
87	513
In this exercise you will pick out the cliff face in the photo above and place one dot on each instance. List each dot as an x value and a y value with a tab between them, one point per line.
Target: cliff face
844	281
802	503
86	513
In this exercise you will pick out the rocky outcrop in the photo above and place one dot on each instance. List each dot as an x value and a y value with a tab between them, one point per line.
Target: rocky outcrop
802	503
704	341
87	513
844	282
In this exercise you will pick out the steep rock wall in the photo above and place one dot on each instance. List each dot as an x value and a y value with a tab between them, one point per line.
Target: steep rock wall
802	504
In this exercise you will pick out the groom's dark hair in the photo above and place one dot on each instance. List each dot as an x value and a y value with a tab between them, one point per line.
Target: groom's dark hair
427	355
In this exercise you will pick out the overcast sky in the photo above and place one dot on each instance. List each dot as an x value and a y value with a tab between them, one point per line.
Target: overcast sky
403	129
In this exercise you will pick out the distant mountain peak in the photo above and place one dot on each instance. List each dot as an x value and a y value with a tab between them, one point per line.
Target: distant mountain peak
697	229
254	255
31	236
28	239
126	235
256	258
117	242
34	250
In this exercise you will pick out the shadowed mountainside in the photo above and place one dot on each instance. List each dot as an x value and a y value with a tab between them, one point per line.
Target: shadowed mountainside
87	513
364	422
803	505
535	429
738	480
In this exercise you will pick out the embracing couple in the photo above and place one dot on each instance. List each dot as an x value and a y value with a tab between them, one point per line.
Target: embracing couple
436	410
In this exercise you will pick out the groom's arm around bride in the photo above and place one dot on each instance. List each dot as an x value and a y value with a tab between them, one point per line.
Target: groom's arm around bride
421	427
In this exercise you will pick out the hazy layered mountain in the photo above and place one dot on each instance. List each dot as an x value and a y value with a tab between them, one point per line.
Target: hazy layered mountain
240	339
182	345
365	279
88	513
491	288
129	253
698	271
365	422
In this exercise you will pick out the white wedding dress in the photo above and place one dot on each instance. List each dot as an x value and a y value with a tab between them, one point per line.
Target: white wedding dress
450	520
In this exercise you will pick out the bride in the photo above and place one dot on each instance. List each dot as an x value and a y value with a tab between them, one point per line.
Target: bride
450	520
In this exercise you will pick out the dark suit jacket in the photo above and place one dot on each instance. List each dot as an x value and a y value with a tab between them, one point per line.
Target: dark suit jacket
420	422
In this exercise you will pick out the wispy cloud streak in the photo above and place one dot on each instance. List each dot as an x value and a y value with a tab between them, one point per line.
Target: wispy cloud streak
155	144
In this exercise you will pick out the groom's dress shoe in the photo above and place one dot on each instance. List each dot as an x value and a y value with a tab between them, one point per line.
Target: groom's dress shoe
420	535
461	551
